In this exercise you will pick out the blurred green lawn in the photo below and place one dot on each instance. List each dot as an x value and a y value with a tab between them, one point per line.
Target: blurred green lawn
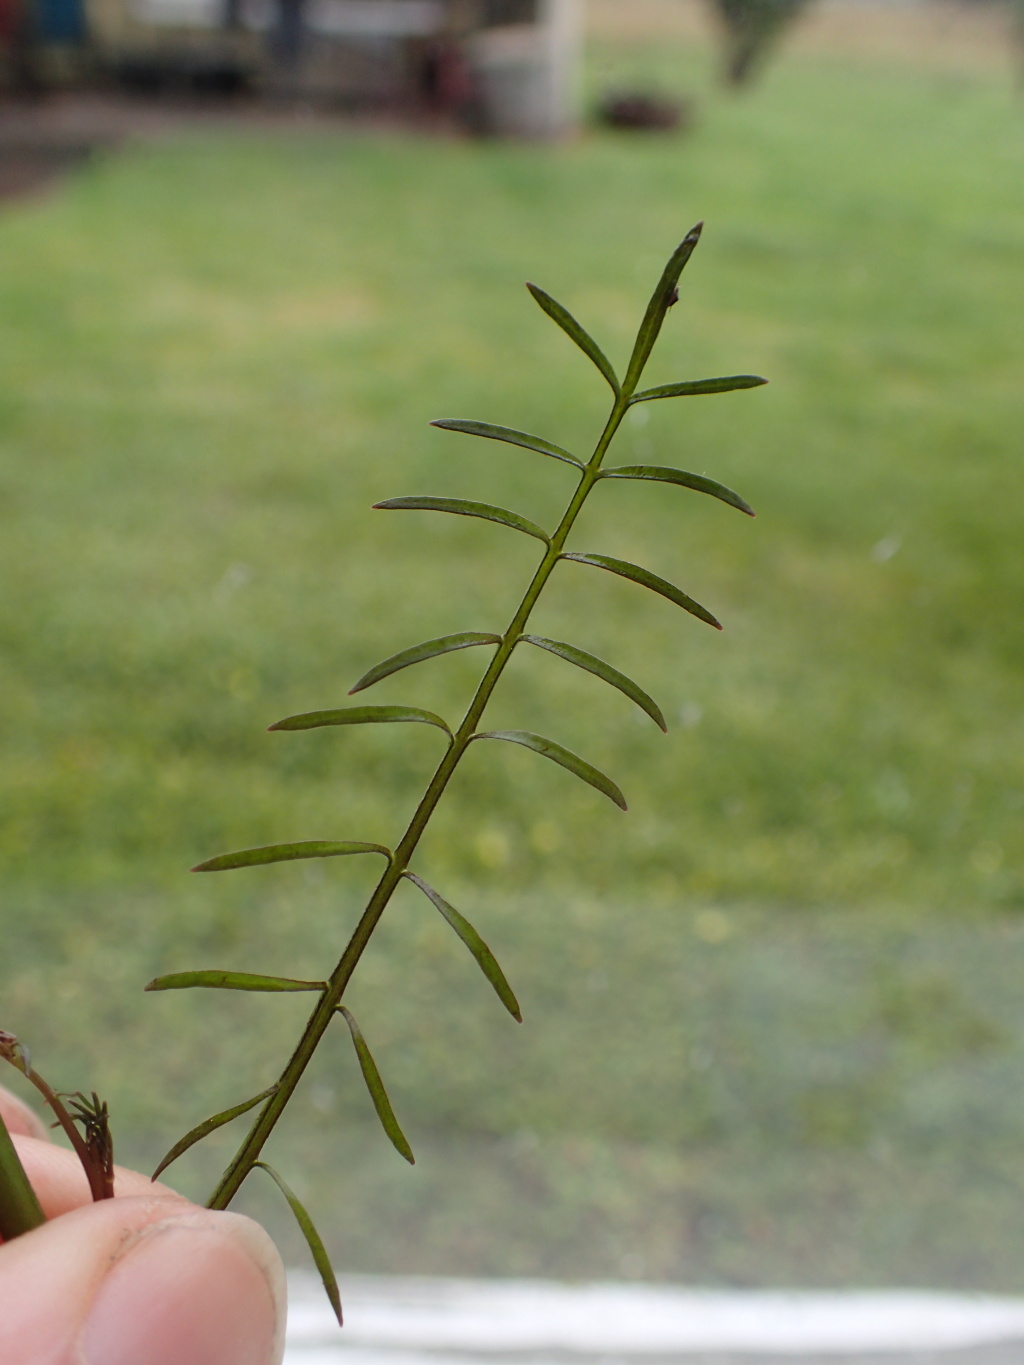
782	990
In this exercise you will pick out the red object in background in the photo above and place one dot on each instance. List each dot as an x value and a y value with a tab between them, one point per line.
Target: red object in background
447	81
8	21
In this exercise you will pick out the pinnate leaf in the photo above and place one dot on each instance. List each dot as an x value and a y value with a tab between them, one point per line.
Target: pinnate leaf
648	580
231	981
485	958
208	1126
661	300
688	388
462	508
285	853
559	754
508	434
375	1086
313	1239
600	669
658	473
360	715
572	329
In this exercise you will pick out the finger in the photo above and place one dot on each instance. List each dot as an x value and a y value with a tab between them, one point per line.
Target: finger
18	1117
58	1179
142	1279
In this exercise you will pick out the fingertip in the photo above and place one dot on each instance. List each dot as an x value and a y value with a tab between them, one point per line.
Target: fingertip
199	1288
133	1280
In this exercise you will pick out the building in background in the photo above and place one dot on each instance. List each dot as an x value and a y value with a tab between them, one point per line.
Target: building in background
503	67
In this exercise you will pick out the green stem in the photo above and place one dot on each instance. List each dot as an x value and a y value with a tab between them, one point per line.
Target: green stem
320	1019
20	1210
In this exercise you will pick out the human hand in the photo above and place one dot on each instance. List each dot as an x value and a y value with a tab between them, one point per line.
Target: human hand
145	1278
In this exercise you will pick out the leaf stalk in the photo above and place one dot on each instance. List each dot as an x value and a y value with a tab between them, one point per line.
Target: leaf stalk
97	1163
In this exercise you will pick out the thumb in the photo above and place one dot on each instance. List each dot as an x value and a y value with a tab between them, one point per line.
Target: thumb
142	1279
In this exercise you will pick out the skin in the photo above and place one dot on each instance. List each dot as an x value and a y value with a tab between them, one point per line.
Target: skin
144	1276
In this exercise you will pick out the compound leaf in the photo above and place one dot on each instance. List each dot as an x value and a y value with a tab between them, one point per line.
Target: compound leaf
664	296
658	473
376	1088
572	329
284	853
559	754
509	434
417	653
231	981
208	1126
486	960
648	580
600	669
687	388
462	508
360	715
313	1240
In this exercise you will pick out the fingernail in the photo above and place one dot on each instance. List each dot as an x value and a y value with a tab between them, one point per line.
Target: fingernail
198	1289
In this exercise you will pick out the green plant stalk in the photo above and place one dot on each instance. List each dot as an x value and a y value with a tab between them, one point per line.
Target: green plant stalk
321	1017
625	394
20	1210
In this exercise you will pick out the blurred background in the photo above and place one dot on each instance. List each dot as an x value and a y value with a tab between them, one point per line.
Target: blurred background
774	1020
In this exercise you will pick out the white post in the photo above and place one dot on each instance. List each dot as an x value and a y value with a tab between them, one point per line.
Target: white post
529	74
562	24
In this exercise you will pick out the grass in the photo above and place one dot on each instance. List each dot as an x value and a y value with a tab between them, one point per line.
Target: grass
755	1002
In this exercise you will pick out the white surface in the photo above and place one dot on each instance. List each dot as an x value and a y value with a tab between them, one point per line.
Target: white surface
405	1321
179	13
377	18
